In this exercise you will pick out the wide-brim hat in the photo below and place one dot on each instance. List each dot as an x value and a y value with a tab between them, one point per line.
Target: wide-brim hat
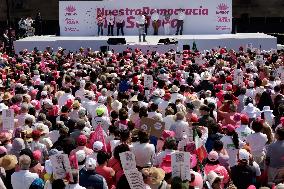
134	99
266	109
8	162
174	89
116	105
211	177
205	75
156	175
7	96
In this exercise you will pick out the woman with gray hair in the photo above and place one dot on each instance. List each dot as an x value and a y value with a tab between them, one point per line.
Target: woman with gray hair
17	145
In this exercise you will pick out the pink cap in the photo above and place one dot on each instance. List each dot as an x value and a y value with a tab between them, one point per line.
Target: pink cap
3	150
213	156
166	134
37	155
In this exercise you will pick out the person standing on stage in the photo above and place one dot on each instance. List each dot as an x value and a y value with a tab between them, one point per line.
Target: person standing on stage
155	21
120	23
167	23
100	22
147	22
180	19
110	24
38	24
141	21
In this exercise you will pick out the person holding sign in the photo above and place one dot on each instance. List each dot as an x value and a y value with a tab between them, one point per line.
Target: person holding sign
155	21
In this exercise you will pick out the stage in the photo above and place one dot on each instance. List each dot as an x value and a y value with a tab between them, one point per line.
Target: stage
203	42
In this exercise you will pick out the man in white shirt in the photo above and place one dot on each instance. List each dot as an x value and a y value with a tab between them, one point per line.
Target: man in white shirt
24	178
81	92
141	20
119	23
180	18
110	24
65	97
244	130
24	114
155	20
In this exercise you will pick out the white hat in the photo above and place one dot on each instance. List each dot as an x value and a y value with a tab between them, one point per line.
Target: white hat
101	99
47	142
243	155
2	107
251	83
174	89
205	75
80	155
250	110
211	177
43	93
266	109
90	163
97	146
156	93
116	105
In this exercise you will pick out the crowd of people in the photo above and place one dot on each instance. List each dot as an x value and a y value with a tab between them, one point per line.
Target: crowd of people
232	127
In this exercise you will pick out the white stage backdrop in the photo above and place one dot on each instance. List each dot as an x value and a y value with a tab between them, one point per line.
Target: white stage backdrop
78	18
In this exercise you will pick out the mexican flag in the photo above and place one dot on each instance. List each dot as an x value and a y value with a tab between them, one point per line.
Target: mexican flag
200	148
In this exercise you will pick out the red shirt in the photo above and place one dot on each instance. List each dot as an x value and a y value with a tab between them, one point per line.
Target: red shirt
106	173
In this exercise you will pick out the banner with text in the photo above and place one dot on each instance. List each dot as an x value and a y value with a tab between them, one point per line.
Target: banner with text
78	18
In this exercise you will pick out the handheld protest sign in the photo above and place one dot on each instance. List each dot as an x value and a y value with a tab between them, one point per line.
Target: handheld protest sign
61	166
180	162
8	119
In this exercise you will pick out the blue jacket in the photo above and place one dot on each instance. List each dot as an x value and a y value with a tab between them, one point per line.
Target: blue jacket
91	180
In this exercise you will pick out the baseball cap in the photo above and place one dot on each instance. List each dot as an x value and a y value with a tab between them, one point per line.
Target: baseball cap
244	119
90	163
213	156
82	140
243	155
97	146
100	111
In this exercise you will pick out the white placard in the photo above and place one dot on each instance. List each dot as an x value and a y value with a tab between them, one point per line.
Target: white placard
61	166
8	119
178	59
135	179
259	59
238	77
148	81
180	162
78	18
199	61
127	160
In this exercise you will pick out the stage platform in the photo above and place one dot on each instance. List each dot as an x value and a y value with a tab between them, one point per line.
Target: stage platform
203	42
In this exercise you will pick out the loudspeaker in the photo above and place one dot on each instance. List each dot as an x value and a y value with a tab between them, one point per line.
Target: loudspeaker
104	48
167	41
186	47
116	41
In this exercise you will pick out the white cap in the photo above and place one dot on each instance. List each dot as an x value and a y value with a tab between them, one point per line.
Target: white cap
251	83
91	163
243	154
80	155
97	146
211	177
43	93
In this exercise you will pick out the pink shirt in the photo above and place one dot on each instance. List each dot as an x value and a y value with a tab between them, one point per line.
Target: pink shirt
106	173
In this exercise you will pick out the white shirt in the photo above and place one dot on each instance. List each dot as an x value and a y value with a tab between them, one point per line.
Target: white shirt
23	179
155	16
181	15
110	20
144	154
244	131
74	186
169	121
232	151
155	114
119	19
104	122
22	117
257	142
141	20
180	128
80	93
64	98
162	106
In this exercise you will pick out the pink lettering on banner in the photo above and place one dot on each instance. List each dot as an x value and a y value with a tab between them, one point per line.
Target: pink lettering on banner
71	21
223	28
148	11
223	19
222	9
